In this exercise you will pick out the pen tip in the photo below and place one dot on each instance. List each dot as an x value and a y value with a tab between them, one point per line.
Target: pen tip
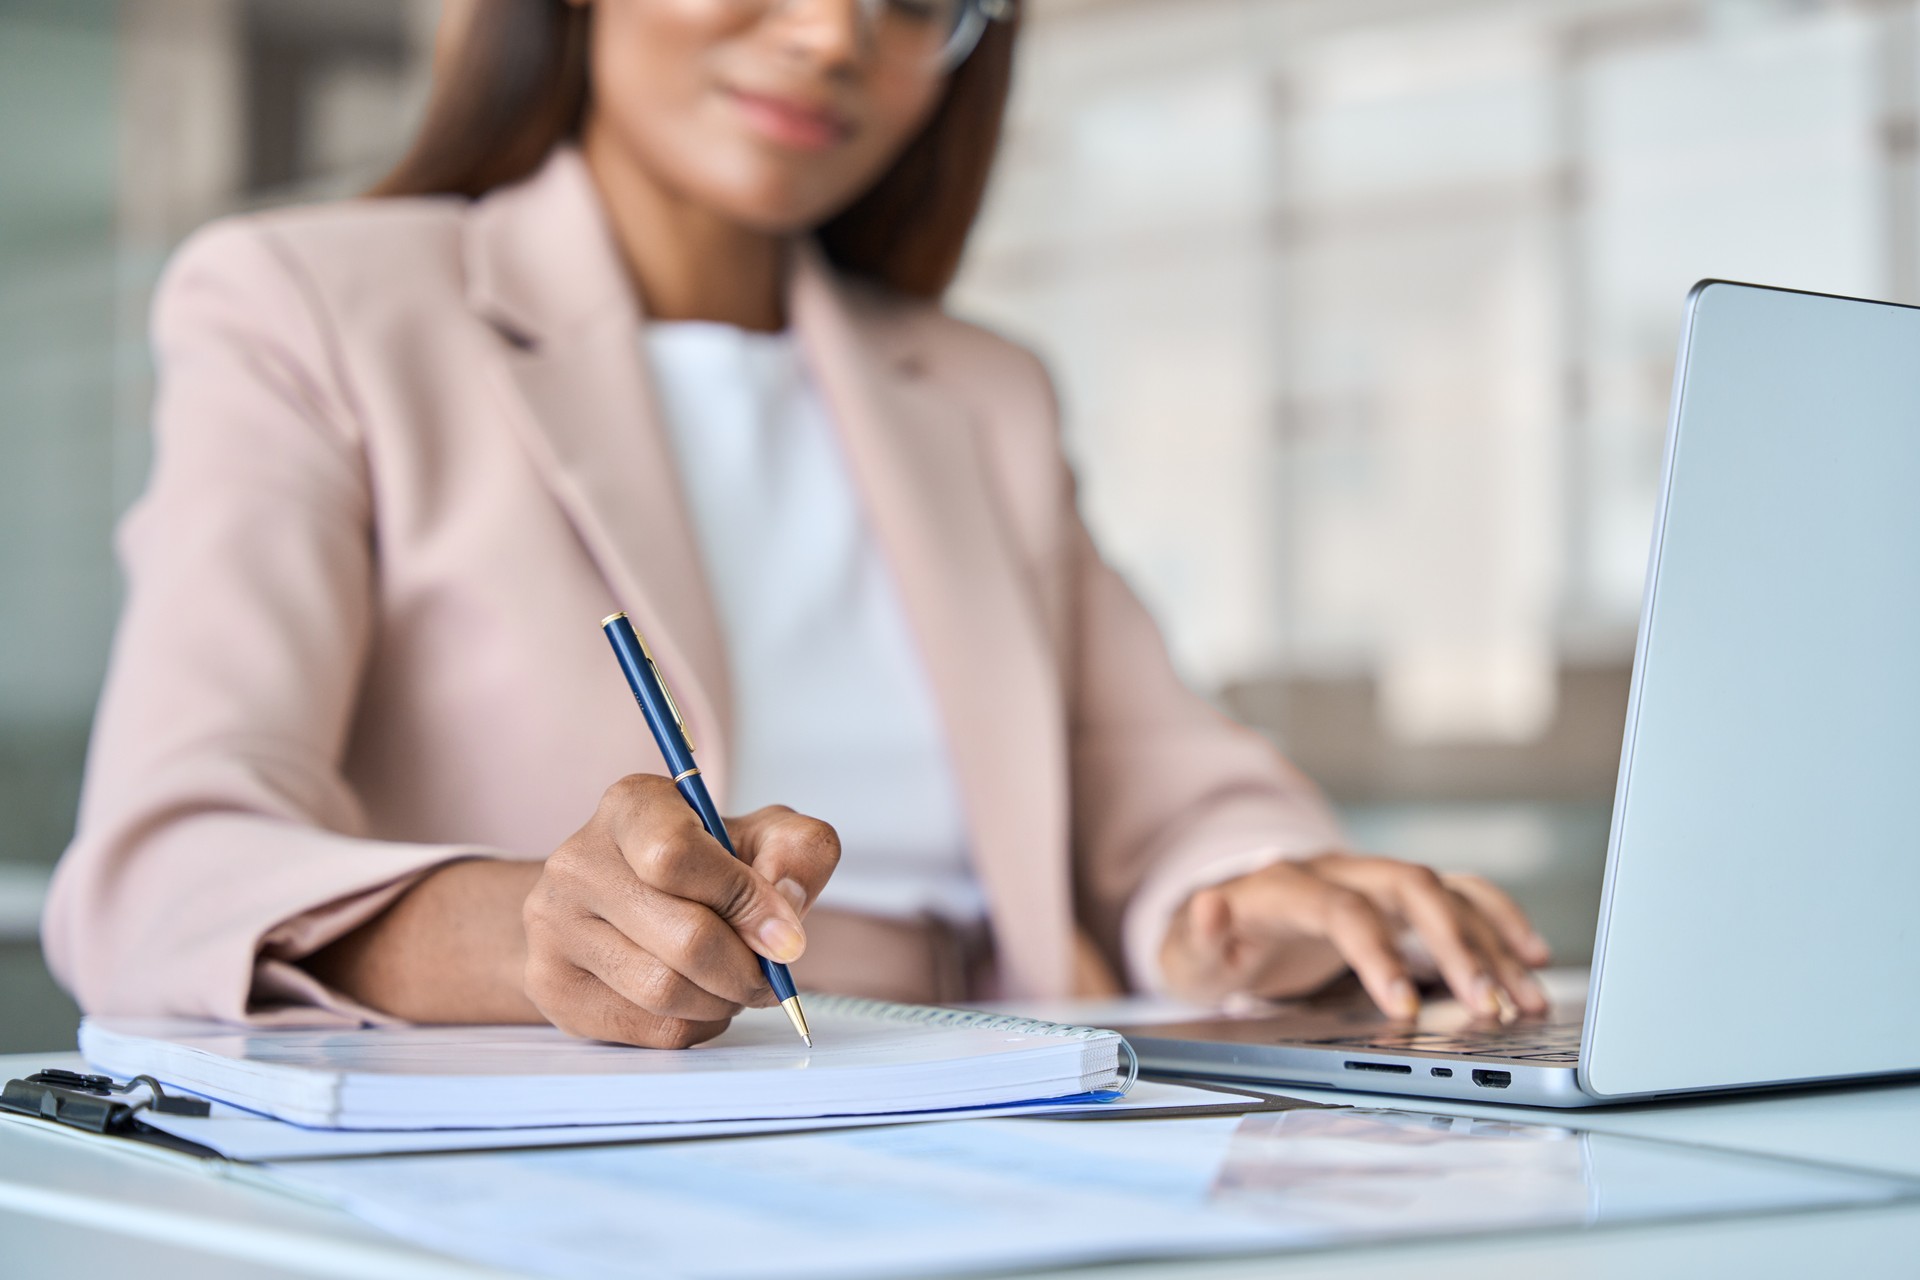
792	1005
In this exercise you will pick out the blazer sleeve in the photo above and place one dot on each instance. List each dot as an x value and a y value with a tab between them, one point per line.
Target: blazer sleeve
1169	795
218	842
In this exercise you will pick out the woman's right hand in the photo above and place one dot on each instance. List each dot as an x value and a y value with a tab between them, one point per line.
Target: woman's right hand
643	929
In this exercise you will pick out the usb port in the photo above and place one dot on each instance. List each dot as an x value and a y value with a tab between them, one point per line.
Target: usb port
1445	1073
1393	1068
1493	1079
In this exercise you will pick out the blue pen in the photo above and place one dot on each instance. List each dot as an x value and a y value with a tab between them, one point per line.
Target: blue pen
676	746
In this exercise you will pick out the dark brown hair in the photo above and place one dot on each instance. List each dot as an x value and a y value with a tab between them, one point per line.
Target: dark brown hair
514	85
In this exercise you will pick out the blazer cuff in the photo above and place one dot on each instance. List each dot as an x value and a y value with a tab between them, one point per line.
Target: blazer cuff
1144	925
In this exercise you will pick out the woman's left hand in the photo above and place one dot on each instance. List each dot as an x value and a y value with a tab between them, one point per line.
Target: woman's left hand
1291	928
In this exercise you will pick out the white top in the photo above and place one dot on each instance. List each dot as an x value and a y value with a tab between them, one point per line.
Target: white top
833	714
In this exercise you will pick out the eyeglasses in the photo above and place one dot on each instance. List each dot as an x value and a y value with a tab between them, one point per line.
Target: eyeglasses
936	35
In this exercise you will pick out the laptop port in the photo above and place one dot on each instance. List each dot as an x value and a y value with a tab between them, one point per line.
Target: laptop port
1445	1073
1493	1079
1393	1068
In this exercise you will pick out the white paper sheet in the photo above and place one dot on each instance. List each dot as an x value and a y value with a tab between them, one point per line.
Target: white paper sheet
987	1194
246	1135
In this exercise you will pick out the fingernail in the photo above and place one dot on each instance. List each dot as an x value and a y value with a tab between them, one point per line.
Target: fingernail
783	942
1535	991
790	889
1480	995
1402	1000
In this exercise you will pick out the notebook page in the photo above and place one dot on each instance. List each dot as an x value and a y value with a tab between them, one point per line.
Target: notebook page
867	1058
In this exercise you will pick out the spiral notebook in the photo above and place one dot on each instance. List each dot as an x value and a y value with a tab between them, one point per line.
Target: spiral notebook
869	1057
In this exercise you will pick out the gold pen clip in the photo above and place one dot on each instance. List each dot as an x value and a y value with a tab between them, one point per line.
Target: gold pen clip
679	720
672	706
661	680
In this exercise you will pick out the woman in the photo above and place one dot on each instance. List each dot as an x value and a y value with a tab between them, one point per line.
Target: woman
648	320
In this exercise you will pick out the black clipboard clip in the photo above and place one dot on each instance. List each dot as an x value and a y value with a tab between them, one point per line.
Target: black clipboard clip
93	1102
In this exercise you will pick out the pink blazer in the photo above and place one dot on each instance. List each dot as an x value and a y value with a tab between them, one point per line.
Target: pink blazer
407	458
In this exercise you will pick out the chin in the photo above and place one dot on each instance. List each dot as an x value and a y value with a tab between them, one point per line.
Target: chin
773	206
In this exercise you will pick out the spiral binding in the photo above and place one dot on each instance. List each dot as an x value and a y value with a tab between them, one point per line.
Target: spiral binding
931	1016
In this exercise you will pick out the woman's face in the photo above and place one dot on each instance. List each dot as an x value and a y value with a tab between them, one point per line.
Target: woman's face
773	115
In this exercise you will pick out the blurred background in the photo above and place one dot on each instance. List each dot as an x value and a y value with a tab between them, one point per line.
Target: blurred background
1363	314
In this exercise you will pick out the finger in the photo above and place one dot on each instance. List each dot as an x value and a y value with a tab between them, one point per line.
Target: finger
1506	916
690	939
793	852
1508	970
1239	934
1193	954
588	879
1211	918
1364	939
1269	912
642	979
1430	908
685	862
581	1005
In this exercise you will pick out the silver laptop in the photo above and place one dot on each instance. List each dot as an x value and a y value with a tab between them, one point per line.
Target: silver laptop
1760	925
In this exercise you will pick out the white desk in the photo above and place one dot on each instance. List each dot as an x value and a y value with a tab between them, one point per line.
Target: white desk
72	1206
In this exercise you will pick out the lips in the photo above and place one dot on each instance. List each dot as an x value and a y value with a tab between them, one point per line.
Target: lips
792	122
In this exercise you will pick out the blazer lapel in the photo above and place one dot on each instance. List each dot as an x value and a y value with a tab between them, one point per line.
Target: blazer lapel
544	270
916	461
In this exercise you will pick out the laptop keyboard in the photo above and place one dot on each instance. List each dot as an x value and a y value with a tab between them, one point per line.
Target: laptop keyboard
1547	1042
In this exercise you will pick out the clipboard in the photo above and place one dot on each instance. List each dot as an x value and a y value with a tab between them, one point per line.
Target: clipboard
142	1110
98	1104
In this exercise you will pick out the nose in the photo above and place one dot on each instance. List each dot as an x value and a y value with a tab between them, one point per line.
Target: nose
832	33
